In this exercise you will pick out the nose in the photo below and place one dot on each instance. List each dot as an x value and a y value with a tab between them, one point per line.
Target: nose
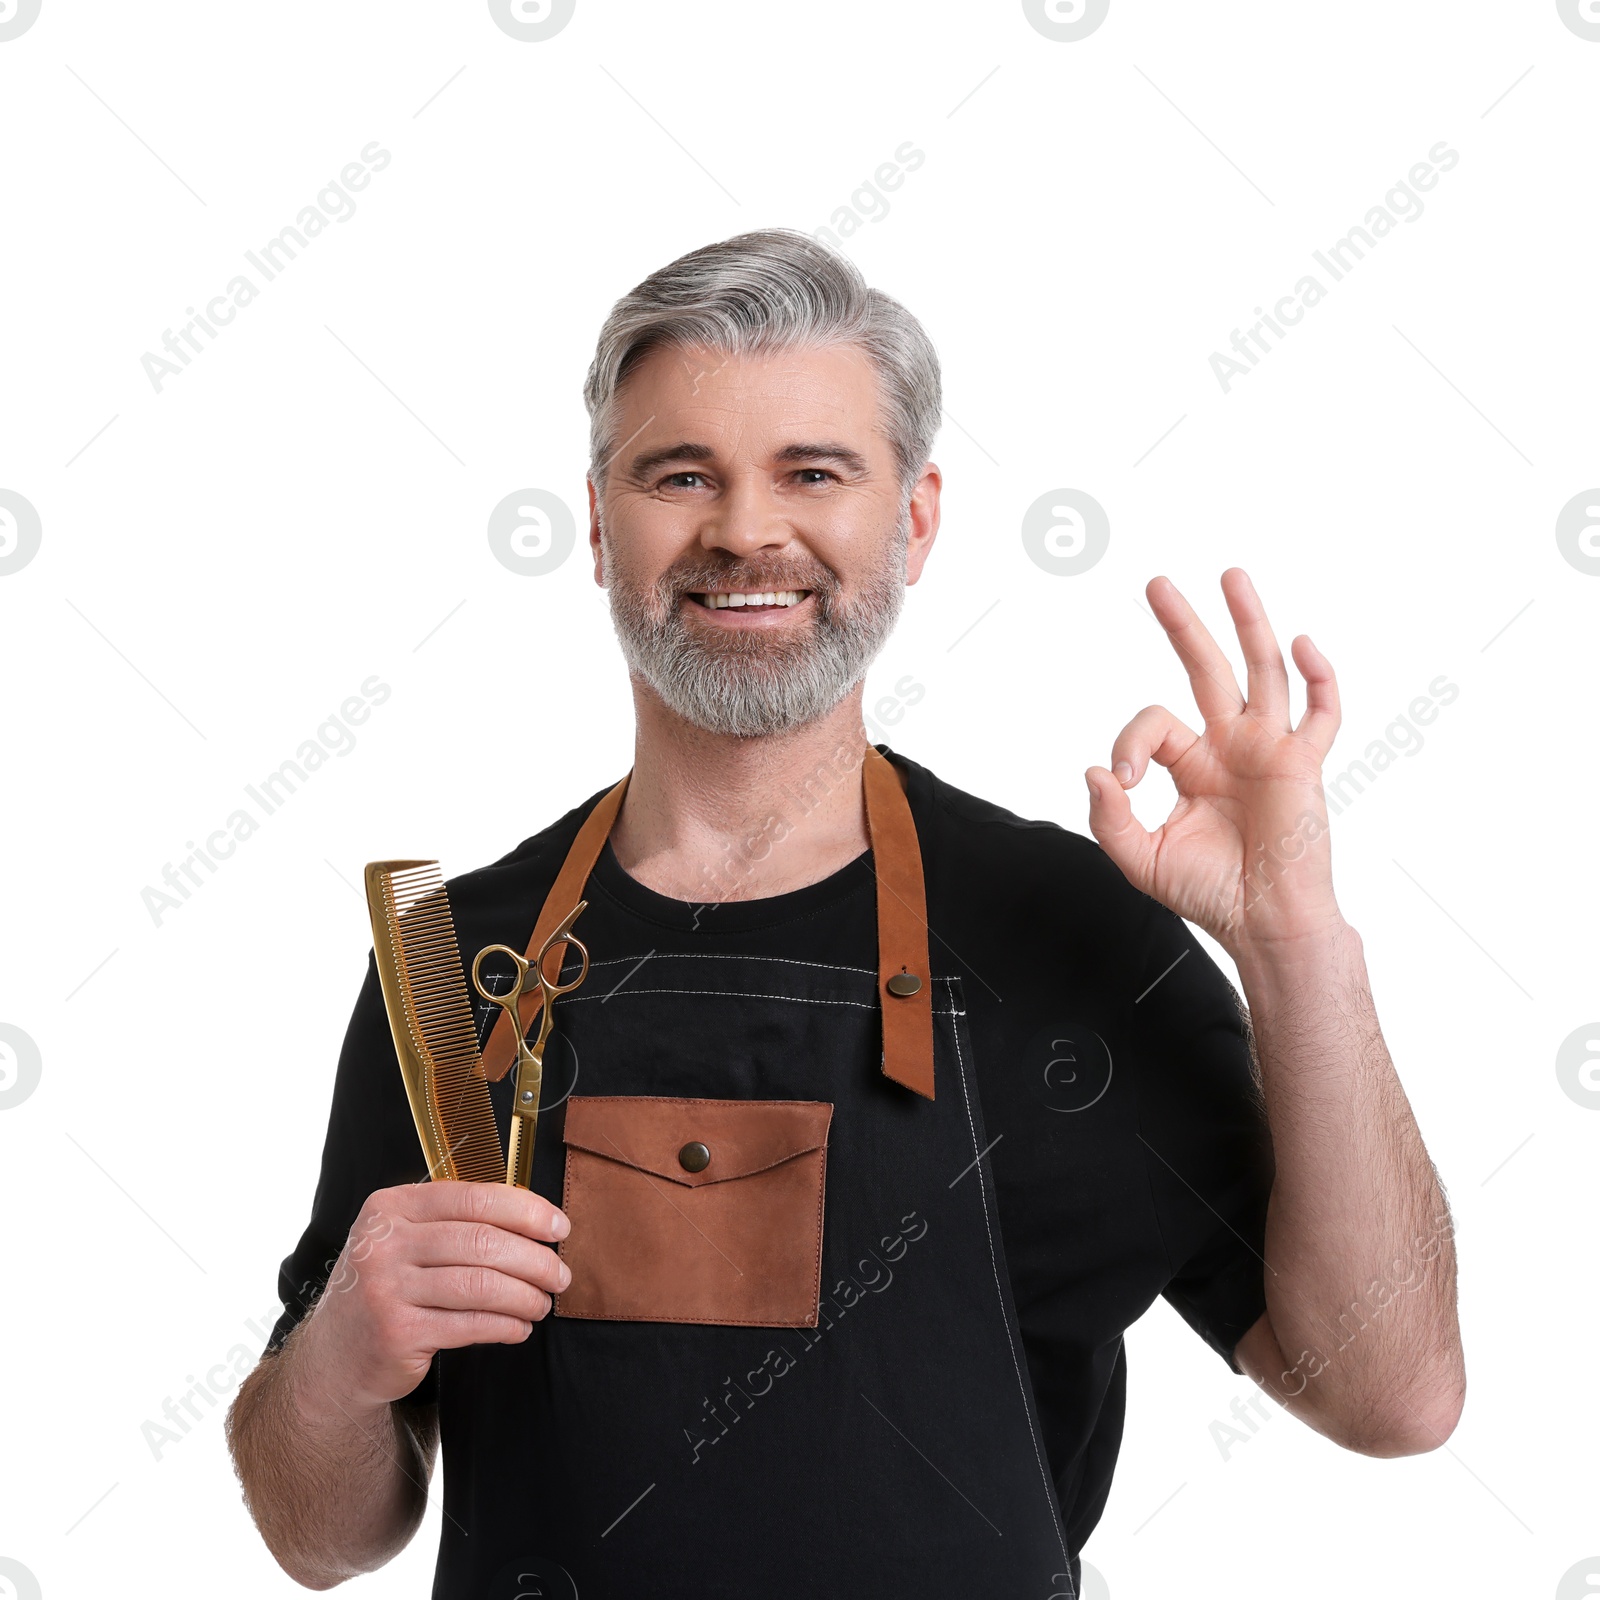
746	518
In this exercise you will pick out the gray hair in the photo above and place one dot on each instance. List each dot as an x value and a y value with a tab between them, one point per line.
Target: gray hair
761	292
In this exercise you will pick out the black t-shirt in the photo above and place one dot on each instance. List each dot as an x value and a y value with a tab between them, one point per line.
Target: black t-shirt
1128	1143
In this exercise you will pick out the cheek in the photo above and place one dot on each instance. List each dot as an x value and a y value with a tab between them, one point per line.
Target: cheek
849	535
646	539
862	541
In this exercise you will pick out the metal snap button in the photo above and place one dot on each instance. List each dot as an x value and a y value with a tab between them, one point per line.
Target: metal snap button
904	983
694	1157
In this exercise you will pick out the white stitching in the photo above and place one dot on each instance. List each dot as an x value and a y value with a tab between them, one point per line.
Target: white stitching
719	994
488	1012
711	955
1050	1490
737	994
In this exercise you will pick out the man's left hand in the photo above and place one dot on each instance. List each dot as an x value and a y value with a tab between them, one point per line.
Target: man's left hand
1245	853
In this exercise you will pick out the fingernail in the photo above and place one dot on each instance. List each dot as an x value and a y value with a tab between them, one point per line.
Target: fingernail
566	1275
1124	770
562	1225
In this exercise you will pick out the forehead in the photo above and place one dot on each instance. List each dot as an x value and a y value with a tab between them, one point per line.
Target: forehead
754	400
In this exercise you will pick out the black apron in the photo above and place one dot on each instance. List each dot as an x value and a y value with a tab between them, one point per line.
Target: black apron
892	1449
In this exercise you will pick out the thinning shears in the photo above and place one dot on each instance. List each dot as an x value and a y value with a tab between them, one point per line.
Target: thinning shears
530	1058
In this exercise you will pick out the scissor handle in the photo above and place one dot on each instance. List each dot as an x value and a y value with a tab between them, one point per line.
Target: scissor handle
551	990
563	935
509	997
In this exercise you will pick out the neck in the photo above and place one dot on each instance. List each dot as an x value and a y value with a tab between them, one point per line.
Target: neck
709	818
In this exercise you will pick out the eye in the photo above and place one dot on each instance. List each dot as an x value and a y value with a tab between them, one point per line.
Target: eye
822	472
672	478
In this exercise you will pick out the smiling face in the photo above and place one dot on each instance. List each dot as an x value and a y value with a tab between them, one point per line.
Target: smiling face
753	544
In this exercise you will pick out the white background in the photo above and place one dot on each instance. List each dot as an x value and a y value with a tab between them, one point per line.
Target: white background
225	561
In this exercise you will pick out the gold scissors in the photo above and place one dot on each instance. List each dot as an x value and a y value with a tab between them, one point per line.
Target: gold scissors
530	1059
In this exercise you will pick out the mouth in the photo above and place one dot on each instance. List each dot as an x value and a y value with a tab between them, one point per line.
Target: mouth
762	600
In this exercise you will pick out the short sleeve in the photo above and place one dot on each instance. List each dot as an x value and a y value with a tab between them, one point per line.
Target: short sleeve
1203	1126
371	1144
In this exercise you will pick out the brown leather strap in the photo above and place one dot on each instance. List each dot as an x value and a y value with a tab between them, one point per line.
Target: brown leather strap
501	1049
902	925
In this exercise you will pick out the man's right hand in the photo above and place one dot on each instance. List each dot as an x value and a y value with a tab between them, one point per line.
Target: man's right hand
428	1267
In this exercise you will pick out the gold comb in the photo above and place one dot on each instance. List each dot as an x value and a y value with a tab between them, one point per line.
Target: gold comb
430	1016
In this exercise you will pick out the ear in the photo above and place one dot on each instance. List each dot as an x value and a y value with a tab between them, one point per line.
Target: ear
594	536
924	513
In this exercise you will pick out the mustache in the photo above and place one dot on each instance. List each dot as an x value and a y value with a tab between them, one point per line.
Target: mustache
723	581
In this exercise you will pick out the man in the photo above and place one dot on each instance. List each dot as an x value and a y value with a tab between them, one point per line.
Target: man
1035	1099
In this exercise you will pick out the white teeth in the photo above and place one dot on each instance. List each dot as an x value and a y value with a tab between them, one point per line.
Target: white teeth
769	597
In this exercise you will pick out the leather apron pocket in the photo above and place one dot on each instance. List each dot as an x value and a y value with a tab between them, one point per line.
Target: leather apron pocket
690	1210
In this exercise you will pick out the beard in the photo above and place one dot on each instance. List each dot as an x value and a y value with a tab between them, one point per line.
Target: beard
747	684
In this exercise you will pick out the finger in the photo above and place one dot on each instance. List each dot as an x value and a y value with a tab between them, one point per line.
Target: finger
1155	734
480	1244
476	1289
1216	692
1120	834
450	1330
503	1205
1322	716
1266	677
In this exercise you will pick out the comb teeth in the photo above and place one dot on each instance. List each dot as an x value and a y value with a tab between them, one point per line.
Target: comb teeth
454	1116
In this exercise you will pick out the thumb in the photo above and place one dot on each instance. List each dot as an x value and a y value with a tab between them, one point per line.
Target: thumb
1119	833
